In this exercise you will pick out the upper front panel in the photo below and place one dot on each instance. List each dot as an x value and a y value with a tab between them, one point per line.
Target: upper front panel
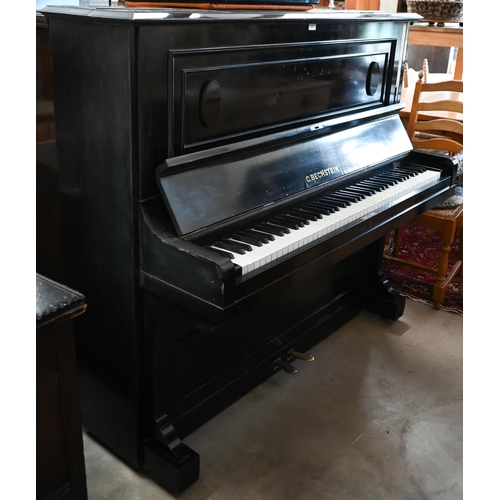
231	92
209	84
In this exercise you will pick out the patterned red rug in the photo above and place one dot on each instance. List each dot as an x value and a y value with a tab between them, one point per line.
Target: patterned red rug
417	284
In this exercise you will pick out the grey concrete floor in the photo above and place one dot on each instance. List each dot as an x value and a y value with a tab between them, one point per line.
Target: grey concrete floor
377	415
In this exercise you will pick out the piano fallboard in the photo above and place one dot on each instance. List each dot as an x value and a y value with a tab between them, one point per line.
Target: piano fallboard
232	184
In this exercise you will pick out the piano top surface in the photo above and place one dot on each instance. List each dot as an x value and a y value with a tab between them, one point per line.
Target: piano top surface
170	14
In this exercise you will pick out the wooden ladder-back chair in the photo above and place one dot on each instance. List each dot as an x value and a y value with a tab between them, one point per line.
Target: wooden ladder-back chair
441	133
436	123
410	76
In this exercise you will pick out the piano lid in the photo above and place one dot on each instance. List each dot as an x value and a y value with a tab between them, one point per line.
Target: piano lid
186	14
204	190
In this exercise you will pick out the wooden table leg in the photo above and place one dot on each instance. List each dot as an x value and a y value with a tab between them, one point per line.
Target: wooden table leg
459	64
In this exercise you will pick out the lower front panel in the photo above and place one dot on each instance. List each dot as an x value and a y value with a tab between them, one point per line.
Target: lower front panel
194	364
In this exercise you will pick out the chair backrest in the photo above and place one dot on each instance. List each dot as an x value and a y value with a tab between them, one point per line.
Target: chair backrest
436	116
410	76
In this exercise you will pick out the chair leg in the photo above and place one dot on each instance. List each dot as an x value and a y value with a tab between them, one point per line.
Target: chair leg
440	286
460	235
397	237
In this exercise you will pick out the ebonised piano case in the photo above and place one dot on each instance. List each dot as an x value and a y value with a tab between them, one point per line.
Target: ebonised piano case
181	132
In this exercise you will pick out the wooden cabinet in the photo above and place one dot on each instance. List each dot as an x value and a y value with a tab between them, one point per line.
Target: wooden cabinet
60	462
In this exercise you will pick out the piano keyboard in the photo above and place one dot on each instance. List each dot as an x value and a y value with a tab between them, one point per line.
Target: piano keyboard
266	242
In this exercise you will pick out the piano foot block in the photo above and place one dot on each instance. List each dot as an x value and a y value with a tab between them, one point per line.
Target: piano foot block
384	300
174	473
391	309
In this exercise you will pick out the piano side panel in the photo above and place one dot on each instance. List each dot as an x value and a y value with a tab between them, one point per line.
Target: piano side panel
94	122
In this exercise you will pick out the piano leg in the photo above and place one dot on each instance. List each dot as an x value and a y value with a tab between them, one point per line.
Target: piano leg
382	298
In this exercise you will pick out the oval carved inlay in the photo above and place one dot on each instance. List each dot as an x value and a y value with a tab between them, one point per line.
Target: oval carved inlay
210	100
373	78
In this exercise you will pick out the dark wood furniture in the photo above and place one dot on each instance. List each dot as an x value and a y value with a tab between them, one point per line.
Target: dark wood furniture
180	128
60	466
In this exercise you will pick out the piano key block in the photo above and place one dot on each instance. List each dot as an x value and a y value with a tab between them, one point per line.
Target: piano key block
290	236
286	366
301	355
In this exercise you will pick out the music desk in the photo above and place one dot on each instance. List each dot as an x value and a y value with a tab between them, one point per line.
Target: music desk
450	35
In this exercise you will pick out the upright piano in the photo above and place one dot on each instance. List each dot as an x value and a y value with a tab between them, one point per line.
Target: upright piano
227	180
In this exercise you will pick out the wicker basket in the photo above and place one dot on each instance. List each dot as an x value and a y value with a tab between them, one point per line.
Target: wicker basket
437	11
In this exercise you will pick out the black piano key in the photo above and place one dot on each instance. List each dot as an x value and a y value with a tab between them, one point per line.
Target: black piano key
332	206
339	201
317	209
371	185
252	240
224	253
299	217
265	238
392	172
356	191
386	180
307	215
405	171
388	175
266	234
233	246
242	245
291	218
381	183
318	206
414	169
272	229
358	188
363	189
345	196
279	221
398	176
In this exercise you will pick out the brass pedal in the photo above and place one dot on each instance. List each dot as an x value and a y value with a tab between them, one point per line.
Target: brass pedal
286	366
301	355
